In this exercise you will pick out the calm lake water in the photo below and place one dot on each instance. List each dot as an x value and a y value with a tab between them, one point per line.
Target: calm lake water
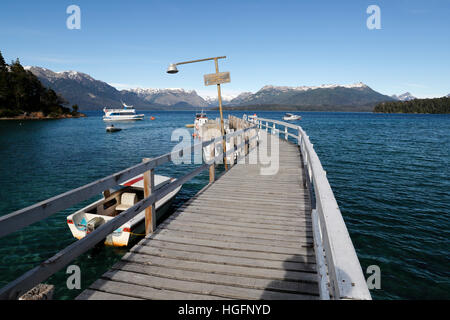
389	173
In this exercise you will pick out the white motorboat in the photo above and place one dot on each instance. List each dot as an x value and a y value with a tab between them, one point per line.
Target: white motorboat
252	118
200	119
99	212
127	113
291	117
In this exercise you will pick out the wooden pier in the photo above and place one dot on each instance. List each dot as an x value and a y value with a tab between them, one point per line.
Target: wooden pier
246	235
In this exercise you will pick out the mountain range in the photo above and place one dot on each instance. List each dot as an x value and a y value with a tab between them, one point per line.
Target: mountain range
91	94
404	97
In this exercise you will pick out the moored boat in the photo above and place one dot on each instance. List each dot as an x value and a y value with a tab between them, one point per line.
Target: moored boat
99	212
200	119
111	128
126	114
252	118
291	117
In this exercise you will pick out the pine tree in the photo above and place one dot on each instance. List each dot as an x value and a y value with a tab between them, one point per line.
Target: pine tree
21	91
5	90
2	63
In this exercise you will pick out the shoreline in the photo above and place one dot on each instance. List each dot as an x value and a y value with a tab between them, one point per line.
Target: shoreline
42	117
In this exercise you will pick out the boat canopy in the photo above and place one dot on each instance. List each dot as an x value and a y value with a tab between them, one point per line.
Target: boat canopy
138	181
126	106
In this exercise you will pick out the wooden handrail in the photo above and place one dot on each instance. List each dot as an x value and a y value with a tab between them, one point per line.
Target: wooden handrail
40	273
18	219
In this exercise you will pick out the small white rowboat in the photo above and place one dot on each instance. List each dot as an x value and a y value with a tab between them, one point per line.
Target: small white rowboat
94	215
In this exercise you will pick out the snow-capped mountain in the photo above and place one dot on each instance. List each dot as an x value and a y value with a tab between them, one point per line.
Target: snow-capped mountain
358	94
169	97
91	94
52	76
79	88
404	97
307	88
213	101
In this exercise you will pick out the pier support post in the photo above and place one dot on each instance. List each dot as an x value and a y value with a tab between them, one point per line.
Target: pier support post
41	292
150	211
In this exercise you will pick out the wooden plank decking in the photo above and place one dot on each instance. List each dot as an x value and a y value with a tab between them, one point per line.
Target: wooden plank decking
246	236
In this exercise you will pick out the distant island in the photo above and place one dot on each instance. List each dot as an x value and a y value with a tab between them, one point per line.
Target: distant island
22	96
432	106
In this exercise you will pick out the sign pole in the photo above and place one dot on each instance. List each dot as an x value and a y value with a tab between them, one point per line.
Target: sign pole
221	118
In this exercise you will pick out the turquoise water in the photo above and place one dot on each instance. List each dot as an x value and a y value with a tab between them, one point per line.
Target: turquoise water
389	173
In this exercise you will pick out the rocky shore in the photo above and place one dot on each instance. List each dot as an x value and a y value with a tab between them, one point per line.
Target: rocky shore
41	116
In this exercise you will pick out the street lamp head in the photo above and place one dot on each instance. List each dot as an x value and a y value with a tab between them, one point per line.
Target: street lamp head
172	68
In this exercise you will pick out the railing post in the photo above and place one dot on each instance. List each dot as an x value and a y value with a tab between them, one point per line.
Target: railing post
212	166
299	138
242	142
246	145
150	211
285	133
267	126
274	128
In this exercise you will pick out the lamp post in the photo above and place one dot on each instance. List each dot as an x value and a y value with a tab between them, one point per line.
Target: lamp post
210	79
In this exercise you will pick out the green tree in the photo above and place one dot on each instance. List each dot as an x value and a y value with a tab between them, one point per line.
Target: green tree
21	91
436	105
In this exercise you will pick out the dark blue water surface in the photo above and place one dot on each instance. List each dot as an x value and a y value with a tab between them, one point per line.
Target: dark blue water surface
389	173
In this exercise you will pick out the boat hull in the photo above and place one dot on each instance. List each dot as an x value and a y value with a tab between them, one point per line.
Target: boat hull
123	118
113	129
123	235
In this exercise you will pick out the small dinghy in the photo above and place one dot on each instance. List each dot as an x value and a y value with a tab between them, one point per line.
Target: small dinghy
291	117
111	128
112	203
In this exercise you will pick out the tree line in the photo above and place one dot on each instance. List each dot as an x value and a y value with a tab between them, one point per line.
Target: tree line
436	105
22	93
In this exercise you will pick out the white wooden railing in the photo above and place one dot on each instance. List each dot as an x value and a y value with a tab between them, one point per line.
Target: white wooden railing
339	271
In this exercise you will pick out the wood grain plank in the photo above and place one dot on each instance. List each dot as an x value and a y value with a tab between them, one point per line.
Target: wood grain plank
201	288
255	283
273	274
307	265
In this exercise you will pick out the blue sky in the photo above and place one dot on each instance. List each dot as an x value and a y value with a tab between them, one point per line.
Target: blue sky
292	43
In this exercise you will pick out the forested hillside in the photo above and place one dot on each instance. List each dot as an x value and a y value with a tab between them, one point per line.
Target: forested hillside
436	105
22	94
